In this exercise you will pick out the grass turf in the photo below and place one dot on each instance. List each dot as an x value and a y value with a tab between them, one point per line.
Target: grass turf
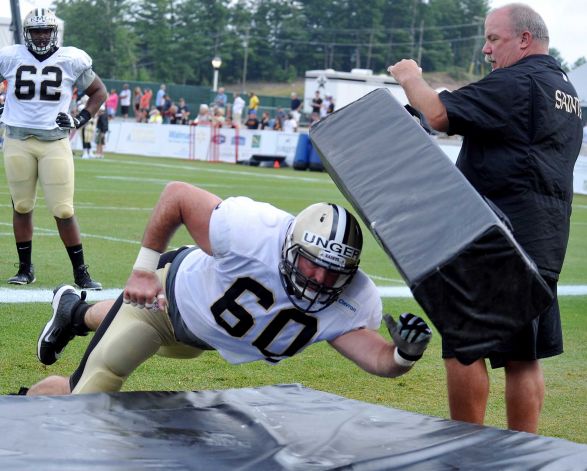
113	202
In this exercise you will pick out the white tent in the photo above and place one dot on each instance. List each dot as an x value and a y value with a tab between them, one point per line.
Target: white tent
578	78
6	35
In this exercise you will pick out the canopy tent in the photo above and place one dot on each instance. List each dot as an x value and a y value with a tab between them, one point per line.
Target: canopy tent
6	35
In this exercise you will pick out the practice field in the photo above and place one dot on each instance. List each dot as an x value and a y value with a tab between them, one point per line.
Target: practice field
114	198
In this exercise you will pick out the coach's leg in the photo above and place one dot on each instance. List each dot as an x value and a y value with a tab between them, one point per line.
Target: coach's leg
524	394
468	390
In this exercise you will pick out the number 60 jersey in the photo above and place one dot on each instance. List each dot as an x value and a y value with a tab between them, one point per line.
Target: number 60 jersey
235	300
39	89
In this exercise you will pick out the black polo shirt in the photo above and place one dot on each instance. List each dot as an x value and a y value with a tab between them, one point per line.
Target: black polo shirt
522	135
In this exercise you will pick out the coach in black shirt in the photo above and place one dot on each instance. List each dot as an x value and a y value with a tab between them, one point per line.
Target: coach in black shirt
522	135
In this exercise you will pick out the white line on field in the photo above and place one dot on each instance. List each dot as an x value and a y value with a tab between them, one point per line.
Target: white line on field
34	295
44	231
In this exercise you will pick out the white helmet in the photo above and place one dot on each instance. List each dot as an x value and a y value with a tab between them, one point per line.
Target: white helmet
40	18
328	236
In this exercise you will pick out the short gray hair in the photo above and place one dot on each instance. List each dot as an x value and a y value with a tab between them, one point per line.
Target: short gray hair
524	18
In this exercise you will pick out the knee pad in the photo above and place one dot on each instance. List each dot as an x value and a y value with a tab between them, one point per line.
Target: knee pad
63	211
23	206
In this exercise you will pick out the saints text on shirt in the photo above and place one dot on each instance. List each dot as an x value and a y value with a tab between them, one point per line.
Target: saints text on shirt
567	102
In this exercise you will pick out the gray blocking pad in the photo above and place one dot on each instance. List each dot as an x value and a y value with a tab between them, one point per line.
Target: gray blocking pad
281	427
459	259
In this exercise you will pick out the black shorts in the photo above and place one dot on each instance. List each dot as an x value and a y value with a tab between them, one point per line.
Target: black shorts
124	109
542	338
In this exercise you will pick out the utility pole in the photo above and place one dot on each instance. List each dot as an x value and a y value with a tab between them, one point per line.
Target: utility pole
16	23
244	77
420	42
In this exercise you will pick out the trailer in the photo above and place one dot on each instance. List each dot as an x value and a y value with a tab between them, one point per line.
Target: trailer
346	87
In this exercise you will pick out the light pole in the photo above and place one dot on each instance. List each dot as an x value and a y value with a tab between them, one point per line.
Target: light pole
216	63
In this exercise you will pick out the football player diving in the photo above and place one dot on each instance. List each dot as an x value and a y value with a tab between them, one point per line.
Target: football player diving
260	285
41	77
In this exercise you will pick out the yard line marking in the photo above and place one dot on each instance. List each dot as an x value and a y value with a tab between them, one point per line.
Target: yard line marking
37	295
44	231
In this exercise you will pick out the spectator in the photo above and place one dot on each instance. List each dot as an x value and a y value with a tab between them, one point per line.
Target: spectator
264	123
112	104
101	131
182	112
280	117
317	103
218	117
331	105
324	107
252	122
221	99
124	96
165	112
86	132
155	116
146	105
137	95
160	98
296	107
203	115
290	124
253	103
228	123
237	109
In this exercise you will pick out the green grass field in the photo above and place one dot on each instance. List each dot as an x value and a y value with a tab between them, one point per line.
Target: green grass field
113	202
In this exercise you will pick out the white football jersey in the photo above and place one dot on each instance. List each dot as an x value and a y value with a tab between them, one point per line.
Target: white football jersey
38	90
235	300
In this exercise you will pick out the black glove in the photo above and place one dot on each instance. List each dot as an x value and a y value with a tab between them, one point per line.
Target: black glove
410	336
1	109
66	121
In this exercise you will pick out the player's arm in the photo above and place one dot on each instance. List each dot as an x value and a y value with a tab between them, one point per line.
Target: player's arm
376	355
179	203
420	95
97	94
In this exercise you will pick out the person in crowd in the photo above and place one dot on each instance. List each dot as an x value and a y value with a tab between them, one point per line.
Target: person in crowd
237	109
112	104
264	123
146	105
155	116
218	117
182	112
296	107
167	112
521	137
136	100
254	103
203	117
290	124
125	98
160	97
261	284
36	143
252	121
317	103
220	100
101	131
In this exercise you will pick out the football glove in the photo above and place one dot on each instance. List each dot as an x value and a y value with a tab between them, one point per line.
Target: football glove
67	121
410	335
1	109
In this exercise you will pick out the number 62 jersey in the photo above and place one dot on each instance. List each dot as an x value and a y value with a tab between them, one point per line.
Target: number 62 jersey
235	301
38	89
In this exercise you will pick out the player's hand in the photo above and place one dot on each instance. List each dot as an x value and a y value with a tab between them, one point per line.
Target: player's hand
67	121
144	290
410	335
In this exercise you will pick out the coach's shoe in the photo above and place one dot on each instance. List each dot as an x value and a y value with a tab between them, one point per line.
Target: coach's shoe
83	279
60	329
25	275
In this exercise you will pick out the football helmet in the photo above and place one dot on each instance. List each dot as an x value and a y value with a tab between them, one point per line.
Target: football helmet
330	237
44	19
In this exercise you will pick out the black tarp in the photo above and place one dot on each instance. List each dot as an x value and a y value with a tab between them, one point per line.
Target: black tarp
287	427
460	260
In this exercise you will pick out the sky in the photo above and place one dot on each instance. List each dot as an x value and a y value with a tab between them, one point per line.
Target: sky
566	21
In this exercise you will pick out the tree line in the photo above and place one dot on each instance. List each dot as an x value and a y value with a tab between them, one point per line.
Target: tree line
174	41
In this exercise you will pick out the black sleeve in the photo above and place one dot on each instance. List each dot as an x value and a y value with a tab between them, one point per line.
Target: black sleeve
481	107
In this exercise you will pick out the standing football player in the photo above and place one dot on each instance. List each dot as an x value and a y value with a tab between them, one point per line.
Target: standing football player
41	77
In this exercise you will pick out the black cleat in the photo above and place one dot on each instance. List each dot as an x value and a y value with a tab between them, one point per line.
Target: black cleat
83	279
25	275
21	392
59	330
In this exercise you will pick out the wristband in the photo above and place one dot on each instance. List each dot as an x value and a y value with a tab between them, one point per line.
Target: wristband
147	260
401	361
